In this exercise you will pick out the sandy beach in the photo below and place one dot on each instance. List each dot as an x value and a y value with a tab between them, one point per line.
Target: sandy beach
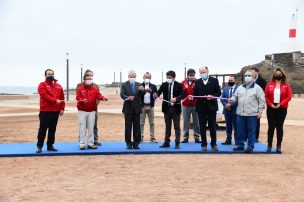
144	177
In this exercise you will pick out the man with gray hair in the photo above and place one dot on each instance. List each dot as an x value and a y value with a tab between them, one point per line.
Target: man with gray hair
251	102
147	106
131	92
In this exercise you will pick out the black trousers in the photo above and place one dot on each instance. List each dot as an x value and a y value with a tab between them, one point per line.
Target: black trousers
210	116
48	121
257	130
170	116
132	120
276	118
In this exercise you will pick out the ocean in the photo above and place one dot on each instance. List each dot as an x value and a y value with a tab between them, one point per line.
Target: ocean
20	90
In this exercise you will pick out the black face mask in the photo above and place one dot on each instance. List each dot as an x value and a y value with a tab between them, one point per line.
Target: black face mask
50	78
230	83
279	78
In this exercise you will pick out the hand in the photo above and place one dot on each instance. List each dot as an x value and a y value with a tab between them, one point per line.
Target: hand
272	106
61	112
131	98
148	90
230	101
85	101
105	99
140	88
155	95
173	100
228	107
190	97
209	97
259	115
58	102
278	106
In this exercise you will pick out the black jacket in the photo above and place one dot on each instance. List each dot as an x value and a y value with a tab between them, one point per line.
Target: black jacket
178	93
211	88
131	107
154	90
261	82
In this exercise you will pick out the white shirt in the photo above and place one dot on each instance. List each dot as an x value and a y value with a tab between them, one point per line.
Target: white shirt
147	96
206	81
277	95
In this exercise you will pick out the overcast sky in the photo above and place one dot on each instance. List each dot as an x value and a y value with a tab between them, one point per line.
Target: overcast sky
143	35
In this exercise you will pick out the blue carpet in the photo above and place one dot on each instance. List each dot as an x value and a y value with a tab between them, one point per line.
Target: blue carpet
112	148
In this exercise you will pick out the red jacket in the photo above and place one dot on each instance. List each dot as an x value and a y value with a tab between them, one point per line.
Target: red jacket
285	97
92	94
188	90
49	93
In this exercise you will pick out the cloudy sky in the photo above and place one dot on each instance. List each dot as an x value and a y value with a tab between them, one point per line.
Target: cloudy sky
144	35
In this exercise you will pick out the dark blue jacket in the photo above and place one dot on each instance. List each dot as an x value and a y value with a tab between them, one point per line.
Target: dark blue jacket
225	94
154	90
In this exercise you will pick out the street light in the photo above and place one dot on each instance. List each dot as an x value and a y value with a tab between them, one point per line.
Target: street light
67	69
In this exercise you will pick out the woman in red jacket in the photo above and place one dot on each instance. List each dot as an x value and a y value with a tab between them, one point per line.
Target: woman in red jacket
87	96
278	94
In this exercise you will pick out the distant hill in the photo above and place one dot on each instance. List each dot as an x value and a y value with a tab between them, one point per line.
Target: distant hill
292	63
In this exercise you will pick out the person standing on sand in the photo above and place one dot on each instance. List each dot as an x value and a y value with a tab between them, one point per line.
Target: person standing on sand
87	94
51	106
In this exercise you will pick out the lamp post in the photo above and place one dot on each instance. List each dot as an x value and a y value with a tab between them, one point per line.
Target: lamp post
81	72
67	69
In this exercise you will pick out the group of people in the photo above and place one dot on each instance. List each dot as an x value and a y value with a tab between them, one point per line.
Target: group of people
195	99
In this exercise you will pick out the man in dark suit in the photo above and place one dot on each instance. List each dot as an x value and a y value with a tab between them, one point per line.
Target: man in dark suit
131	92
230	110
262	83
173	92
207	108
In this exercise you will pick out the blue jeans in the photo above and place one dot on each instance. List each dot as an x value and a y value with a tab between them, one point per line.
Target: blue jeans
230	118
246	124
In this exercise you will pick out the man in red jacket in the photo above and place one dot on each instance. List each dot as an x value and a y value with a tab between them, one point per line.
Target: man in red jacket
86	95
189	107
51	106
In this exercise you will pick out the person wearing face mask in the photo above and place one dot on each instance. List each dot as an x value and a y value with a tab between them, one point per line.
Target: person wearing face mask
230	112
278	94
207	108
258	79
188	107
251	102
51	106
131	92
172	91
96	136
86	95
147	106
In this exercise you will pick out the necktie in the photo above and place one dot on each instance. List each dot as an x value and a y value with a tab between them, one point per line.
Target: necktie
230	92
169	93
133	88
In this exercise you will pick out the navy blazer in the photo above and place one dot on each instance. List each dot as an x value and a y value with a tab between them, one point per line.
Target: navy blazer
154	90
211	88
131	107
225	94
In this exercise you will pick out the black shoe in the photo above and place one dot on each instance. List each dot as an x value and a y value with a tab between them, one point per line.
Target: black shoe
177	146
165	145
279	150
227	142
214	148
238	149
97	143
268	150
52	149
197	141
249	150
135	147
39	150
129	146
185	141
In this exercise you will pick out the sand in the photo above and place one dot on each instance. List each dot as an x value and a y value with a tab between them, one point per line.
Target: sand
187	177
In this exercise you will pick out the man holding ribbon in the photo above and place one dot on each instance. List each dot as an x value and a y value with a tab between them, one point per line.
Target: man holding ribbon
51	106
207	91
131	92
171	107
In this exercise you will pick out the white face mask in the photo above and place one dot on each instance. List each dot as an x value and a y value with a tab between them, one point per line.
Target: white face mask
169	80
132	80
89	82
147	80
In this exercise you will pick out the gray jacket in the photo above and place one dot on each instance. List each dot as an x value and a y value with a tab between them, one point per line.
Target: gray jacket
251	100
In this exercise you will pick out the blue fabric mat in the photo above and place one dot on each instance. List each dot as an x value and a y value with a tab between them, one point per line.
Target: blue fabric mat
112	148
